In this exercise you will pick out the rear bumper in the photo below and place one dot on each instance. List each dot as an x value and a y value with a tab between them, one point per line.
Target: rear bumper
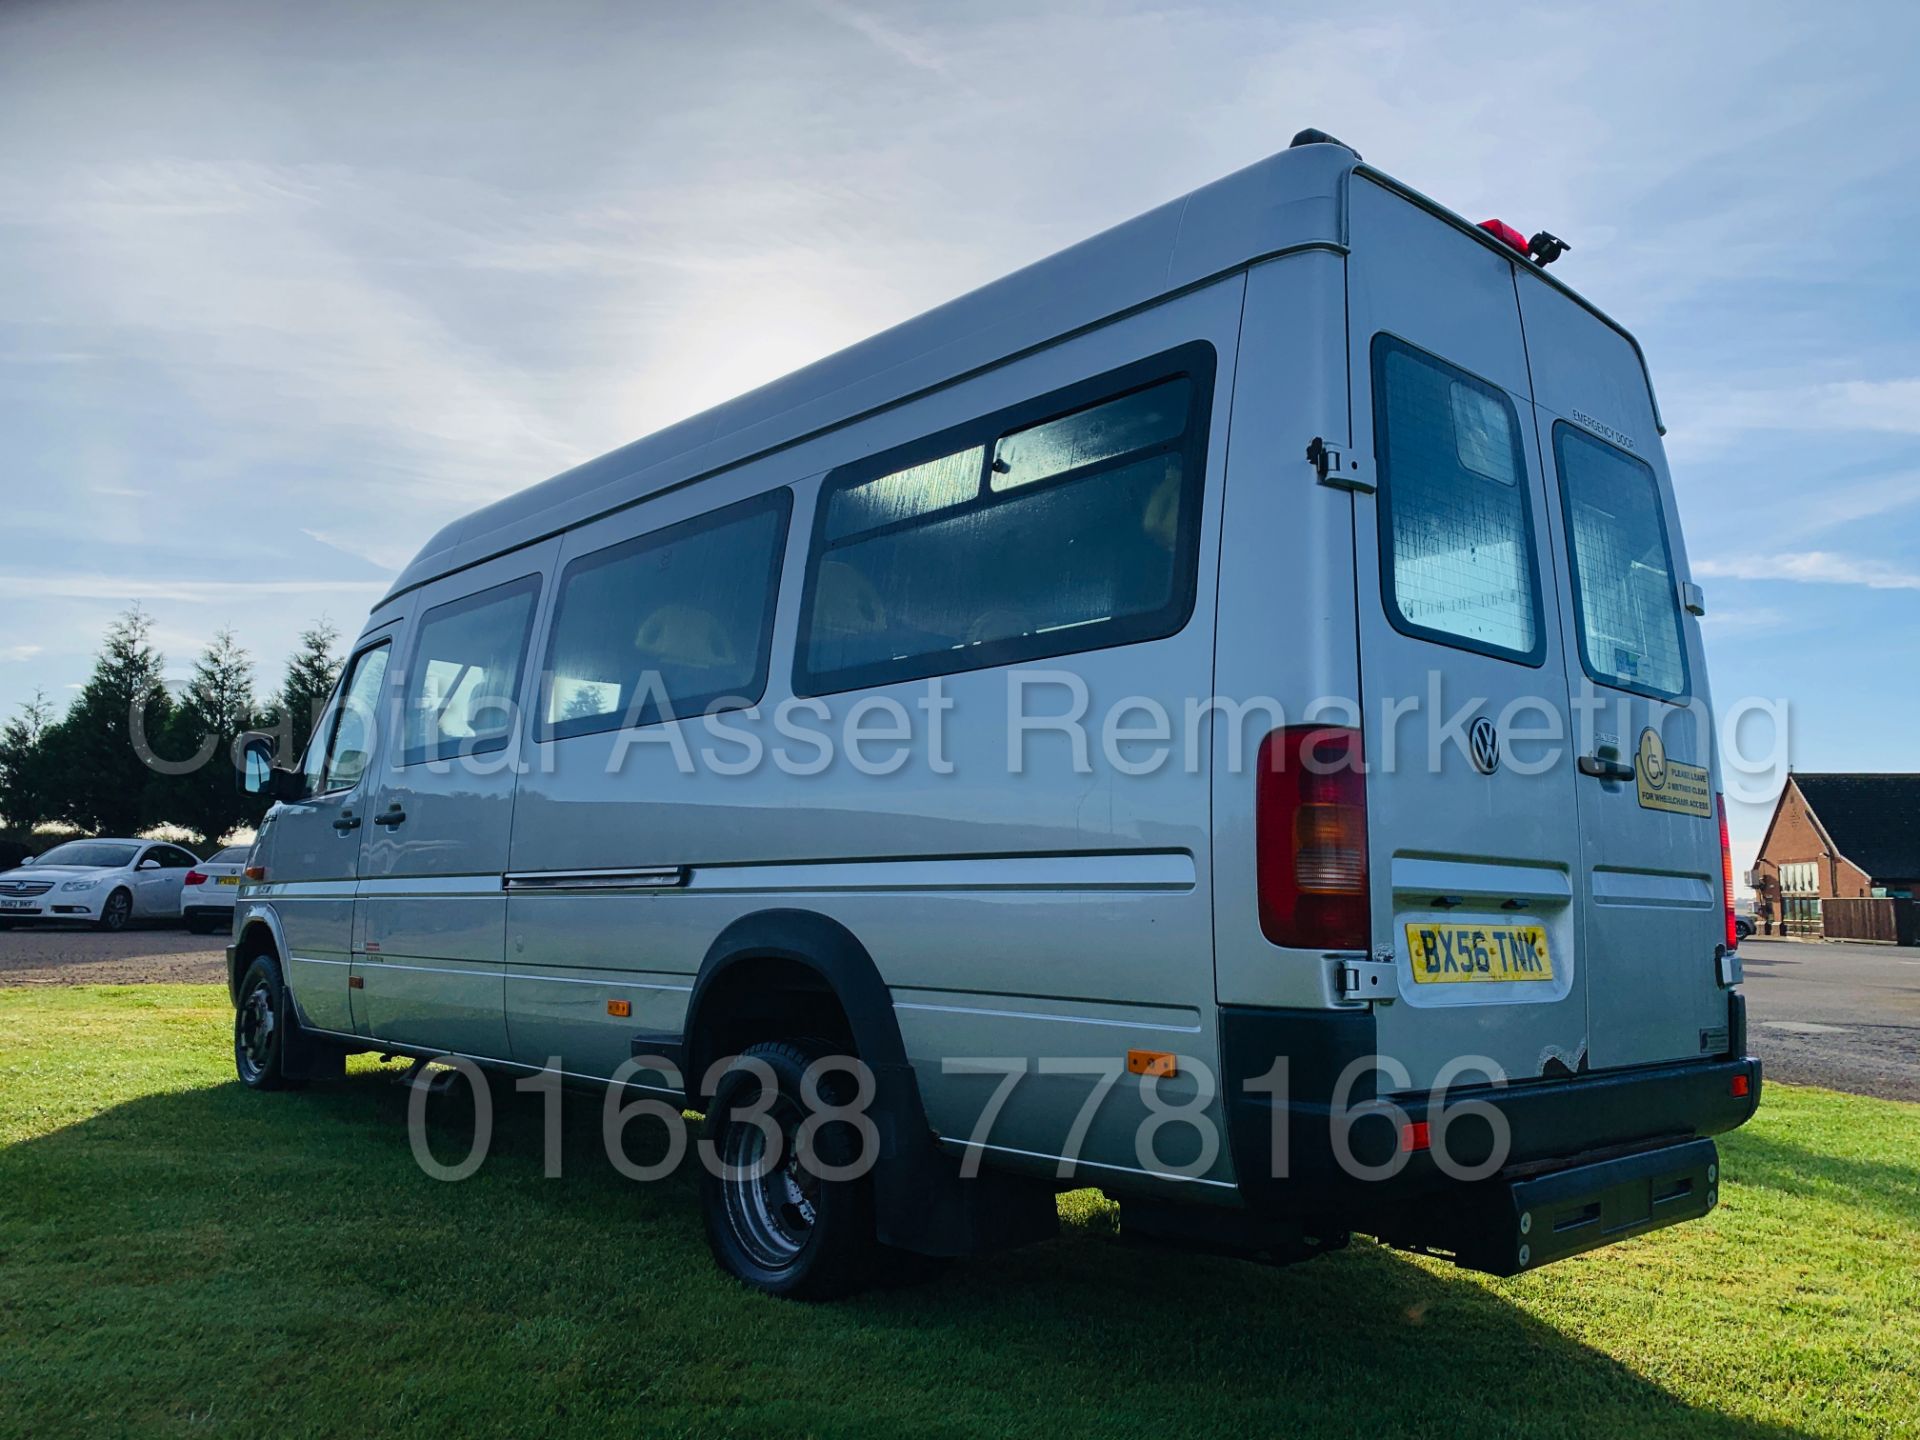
1593	1158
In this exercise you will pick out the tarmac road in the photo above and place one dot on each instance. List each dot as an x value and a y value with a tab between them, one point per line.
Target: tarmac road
1843	1016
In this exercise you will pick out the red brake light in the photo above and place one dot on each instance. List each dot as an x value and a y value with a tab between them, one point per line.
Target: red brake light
1310	829
194	877
1505	234
1726	873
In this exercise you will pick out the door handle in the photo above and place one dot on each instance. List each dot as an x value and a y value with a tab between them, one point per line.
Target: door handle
1605	769
394	815
347	821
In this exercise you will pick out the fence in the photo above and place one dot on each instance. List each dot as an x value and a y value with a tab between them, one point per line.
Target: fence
1883	921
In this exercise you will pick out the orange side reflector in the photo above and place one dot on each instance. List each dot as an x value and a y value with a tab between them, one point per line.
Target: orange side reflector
1740	1087
1152	1062
621	1008
356	982
256	872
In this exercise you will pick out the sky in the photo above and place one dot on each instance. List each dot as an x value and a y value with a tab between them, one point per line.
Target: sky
285	287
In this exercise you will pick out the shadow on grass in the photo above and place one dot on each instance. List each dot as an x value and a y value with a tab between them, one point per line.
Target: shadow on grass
214	1260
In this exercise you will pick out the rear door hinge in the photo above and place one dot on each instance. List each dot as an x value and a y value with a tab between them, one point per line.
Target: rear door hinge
1366	980
1337	466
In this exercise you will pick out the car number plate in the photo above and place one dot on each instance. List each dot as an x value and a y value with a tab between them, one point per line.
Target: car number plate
228	879
1443	953
19	904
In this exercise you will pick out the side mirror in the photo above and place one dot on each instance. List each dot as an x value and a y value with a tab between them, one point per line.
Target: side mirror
258	774
148	864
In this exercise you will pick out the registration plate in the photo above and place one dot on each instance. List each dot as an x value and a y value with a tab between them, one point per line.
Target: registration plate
1443	953
228	879
19	904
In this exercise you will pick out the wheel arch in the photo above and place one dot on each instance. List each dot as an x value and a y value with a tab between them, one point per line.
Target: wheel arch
787	954
778	958
259	934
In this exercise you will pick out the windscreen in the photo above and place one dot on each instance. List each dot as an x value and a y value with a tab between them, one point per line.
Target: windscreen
89	855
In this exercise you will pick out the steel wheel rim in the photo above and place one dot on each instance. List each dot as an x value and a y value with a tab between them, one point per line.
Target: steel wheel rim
774	1215
253	1034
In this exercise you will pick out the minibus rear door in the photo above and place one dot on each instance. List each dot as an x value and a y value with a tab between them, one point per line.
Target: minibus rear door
1472	843
1651	881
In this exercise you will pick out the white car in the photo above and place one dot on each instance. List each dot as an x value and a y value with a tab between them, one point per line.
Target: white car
103	883
207	893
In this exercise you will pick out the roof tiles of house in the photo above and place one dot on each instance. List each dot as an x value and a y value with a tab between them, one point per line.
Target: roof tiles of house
1873	820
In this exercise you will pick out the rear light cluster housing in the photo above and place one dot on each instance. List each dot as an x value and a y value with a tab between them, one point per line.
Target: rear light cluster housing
1310	829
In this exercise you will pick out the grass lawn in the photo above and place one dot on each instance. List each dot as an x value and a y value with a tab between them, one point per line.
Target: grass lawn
180	1257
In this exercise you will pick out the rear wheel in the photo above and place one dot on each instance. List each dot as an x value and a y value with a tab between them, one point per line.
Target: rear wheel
782	1227
260	1028
115	914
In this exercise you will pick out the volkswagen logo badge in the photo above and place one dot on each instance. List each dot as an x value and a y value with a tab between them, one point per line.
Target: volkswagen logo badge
1483	741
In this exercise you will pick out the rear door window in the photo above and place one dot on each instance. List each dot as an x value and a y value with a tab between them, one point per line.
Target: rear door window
1456	534
1625	601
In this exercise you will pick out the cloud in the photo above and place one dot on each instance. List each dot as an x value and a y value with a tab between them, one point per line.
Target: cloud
1730	622
1715	418
18	652
119	588
898	43
1813	567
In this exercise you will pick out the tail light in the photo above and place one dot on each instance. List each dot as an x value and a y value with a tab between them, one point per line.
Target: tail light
1726	872
1310	827
195	877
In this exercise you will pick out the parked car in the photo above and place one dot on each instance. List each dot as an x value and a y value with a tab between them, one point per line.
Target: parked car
598	786
1742	927
207	894
104	883
14	853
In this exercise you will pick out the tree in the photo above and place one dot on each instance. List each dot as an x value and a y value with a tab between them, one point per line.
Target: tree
96	759
217	705
311	674
25	800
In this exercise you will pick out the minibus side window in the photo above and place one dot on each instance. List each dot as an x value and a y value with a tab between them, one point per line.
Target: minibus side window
1624	600
671	624
1456	522
1067	524
464	679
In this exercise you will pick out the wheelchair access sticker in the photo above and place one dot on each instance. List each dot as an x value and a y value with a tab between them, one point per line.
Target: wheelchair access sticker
1668	784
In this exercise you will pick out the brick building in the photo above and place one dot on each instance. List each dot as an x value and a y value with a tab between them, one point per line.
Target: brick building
1836	837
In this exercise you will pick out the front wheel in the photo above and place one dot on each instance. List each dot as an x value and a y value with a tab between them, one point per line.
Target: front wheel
260	1028
115	914
773	1220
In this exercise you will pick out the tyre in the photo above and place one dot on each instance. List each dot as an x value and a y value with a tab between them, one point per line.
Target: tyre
260	1028
115	914
790	1231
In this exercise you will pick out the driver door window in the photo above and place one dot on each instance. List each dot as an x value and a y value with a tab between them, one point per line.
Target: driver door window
353	726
